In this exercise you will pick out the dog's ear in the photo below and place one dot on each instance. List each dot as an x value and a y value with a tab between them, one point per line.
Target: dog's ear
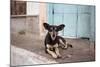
61	27
46	26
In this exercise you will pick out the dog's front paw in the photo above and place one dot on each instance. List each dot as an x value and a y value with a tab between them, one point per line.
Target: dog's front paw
59	56
54	56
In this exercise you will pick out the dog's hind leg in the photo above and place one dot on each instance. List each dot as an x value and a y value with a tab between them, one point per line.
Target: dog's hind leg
63	44
69	45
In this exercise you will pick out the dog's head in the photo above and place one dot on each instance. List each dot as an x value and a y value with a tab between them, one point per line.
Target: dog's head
53	29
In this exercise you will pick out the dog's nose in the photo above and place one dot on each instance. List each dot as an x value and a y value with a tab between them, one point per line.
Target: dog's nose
53	35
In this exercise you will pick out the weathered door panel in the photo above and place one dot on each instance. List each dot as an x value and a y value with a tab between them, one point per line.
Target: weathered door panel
84	17
70	22
49	13
83	25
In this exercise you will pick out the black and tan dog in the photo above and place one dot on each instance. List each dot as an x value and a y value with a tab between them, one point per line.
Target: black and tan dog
52	40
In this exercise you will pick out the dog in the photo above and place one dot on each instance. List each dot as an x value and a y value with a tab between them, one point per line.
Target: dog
52	40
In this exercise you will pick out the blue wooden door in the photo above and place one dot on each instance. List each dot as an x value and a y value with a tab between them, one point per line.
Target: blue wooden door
70	20
50	13
77	19
84	17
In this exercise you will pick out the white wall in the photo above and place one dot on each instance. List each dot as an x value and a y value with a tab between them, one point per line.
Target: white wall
32	8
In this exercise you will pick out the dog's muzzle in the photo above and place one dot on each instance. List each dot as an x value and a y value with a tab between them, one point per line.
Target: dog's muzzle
54	35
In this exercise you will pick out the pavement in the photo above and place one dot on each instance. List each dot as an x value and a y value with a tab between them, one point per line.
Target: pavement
21	56
28	49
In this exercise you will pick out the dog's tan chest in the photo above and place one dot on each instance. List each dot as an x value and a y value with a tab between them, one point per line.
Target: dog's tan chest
52	46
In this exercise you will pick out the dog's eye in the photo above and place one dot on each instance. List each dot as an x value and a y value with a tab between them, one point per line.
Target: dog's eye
55	29
50	29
